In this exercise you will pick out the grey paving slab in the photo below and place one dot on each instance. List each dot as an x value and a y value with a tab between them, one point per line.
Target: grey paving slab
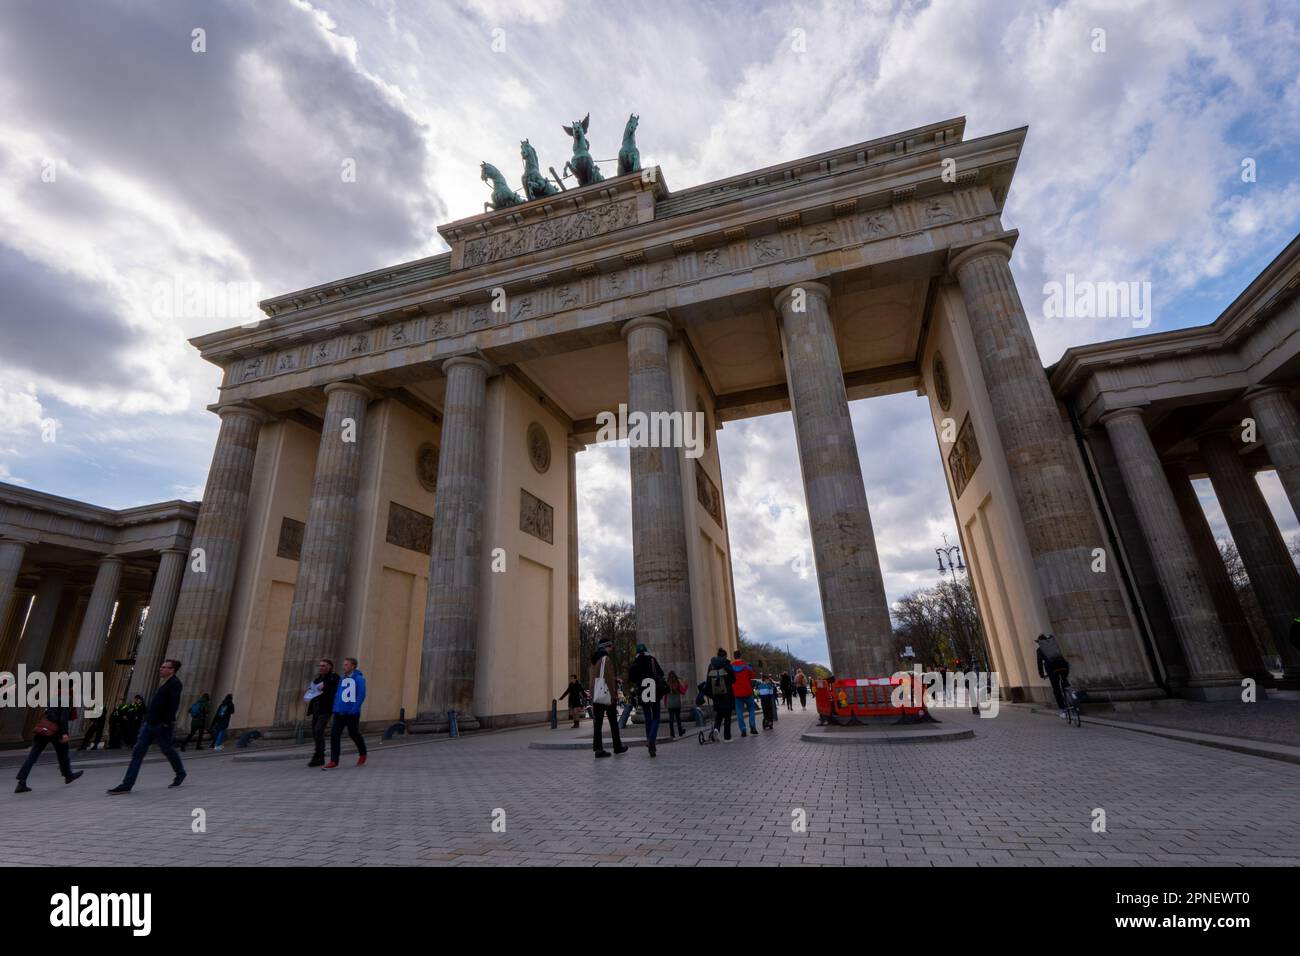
1022	791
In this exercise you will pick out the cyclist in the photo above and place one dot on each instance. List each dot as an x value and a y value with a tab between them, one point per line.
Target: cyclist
1053	665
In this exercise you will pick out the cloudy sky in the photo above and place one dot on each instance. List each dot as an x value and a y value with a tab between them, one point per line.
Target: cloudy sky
129	161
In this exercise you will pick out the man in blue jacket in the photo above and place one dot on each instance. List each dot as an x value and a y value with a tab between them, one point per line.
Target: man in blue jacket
349	697
158	722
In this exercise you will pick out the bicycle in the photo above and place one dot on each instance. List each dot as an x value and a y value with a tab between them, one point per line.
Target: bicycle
1072	698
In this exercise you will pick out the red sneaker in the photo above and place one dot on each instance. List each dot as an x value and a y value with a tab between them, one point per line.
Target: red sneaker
331	765
361	760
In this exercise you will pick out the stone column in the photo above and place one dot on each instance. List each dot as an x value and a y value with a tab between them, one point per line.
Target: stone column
35	642
659	558
1211	669
575	666
1086	608
1260	544
125	621
11	562
449	650
163	609
1244	650
1279	426
858	631
13	629
204	602
317	615
93	635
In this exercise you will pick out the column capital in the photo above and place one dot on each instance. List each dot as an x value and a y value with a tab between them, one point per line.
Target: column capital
958	256
355	388
239	408
473	361
110	559
1115	414
647	321
817	288
1263	389
576	444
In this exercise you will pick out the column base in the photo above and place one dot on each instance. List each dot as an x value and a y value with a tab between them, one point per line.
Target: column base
440	725
1100	692
1216	691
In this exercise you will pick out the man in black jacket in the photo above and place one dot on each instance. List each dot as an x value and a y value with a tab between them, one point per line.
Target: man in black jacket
321	708
649	686
158	722
1053	666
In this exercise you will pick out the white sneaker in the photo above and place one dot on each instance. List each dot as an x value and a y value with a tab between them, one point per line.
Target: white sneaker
1061	714
222	747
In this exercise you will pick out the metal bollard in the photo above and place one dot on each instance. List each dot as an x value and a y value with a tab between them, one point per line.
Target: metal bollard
555	707
451	724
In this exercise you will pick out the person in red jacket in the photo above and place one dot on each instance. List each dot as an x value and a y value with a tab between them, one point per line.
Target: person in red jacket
744	694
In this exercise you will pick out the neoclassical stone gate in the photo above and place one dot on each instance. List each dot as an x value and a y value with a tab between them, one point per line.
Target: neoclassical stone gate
394	475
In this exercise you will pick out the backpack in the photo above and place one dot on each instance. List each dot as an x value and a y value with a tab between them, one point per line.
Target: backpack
718	680
197	709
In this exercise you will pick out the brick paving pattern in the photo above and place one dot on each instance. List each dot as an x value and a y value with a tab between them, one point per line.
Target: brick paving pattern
1021	792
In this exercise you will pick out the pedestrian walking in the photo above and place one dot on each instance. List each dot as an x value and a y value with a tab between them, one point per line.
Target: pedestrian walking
94	735
787	690
221	721
574	693
52	729
648	687
719	680
743	690
677	691
801	688
198	721
320	707
349	697
603	684
156	727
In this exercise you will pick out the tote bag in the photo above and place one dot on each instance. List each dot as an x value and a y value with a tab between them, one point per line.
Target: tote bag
600	693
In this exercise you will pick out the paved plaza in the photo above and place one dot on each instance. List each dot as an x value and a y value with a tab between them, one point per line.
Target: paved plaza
1022	792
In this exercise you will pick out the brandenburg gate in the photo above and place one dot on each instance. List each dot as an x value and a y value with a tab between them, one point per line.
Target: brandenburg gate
394	477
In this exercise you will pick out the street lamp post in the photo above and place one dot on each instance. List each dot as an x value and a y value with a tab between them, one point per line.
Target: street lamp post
946	563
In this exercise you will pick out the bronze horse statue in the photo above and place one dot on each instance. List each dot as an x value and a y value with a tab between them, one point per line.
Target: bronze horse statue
582	165
536	186
502	195
629	157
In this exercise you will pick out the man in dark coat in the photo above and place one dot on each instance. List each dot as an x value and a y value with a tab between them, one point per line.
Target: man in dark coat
159	720
1053	665
321	708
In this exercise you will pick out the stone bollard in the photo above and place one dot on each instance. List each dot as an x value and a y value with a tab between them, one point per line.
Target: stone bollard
555	719
451	724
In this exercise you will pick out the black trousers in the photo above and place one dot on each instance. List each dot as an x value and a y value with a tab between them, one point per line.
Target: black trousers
1055	677
320	723
675	720
803	698
723	708
39	743
197	727
352	724
600	712
94	734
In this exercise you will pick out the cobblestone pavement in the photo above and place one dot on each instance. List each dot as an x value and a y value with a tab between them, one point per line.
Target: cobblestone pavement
1022	792
1273	720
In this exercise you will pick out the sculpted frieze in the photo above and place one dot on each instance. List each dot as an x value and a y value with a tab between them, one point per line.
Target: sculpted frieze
552	232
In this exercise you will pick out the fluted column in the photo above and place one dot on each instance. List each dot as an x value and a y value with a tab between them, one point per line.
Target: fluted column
1086	608
1244	650
1209	661
1263	552
659	559
11	562
859	635
19	605
449	650
575	666
317	615
93	635
163	608
1279	427
201	610
35	642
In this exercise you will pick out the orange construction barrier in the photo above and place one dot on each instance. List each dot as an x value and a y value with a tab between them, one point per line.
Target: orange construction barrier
847	701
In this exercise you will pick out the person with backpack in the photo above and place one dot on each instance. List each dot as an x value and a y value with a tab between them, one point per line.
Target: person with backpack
604	699
743	690
320	707
1053	665
52	729
676	693
719	680
221	721
649	687
198	721
349	697
574	693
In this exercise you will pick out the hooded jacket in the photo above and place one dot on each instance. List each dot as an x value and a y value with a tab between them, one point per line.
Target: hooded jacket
351	693
744	678
1050	657
720	663
644	668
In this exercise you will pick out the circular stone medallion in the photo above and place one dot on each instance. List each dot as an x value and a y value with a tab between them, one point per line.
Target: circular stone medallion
942	390
426	466
539	448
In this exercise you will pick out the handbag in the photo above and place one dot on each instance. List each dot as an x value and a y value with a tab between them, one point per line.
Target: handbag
46	727
600	692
